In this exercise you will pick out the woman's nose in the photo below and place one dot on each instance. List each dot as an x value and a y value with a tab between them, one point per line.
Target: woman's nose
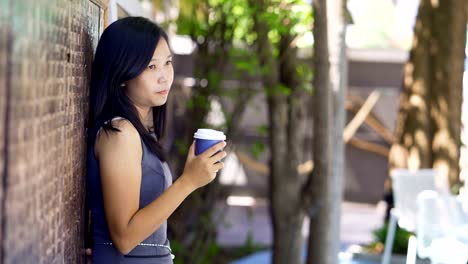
162	79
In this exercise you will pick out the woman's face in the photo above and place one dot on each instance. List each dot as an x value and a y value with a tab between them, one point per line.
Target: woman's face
152	86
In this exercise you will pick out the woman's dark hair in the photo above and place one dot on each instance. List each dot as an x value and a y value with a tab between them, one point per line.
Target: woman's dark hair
124	51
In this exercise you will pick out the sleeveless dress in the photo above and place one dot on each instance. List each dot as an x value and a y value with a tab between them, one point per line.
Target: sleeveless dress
155	179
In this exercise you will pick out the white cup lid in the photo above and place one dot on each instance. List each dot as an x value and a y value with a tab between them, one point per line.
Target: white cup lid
209	134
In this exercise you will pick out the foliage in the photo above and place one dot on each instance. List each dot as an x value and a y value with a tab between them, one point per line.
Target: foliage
257	149
400	244
249	247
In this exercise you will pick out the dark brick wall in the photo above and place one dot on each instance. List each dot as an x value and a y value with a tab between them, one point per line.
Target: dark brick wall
4	32
44	76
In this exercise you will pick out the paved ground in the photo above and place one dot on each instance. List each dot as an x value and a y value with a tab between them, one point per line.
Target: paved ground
357	222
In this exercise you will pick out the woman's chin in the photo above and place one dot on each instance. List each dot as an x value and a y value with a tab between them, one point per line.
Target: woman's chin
159	103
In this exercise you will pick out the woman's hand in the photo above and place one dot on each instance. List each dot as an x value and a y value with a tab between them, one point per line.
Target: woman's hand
201	170
88	252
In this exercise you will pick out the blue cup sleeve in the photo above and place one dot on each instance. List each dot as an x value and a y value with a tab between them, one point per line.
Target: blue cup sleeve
201	145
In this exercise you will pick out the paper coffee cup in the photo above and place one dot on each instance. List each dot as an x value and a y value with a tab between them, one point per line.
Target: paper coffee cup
206	138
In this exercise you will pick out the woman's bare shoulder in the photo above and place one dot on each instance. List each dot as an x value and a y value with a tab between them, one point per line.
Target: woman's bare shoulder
127	137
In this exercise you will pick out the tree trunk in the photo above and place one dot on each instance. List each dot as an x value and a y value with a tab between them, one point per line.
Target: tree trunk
325	184
284	113
429	120
317	186
411	150
338	78
448	53
287	209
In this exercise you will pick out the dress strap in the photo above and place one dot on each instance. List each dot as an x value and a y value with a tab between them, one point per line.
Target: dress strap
115	118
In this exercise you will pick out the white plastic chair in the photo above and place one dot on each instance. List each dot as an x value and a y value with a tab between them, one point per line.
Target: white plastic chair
442	229
406	187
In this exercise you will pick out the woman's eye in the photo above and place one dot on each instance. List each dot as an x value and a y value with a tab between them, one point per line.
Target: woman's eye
152	67
168	62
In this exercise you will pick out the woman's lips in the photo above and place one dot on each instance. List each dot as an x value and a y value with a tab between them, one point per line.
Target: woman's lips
164	92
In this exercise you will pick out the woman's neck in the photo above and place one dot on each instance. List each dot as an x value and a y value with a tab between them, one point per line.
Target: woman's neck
146	116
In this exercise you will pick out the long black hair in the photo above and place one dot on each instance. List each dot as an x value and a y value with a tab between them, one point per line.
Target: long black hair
124	51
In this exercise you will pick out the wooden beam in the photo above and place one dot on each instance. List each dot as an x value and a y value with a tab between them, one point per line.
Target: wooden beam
361	115
368	146
375	124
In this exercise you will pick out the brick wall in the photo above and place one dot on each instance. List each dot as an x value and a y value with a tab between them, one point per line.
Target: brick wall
45	56
4	32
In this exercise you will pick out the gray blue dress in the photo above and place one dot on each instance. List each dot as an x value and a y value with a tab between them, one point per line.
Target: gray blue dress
156	178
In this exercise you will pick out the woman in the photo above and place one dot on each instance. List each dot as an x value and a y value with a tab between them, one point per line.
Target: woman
131	192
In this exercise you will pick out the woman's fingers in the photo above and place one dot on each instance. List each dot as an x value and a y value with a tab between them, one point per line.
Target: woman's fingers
217	157
211	151
218	166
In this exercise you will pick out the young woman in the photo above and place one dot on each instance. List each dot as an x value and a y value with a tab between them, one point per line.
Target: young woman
130	188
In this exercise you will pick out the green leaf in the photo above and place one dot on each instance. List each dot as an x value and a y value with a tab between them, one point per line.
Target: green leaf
400	243
279	89
181	146
257	149
262	130
214	79
190	104
244	66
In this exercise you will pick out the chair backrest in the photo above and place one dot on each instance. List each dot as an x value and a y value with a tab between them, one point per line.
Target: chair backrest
439	216
428	222
406	186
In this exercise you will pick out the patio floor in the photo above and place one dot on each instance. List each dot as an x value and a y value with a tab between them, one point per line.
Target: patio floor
357	223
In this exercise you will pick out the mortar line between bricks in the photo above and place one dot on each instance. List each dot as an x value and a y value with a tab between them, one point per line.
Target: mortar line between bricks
9	72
